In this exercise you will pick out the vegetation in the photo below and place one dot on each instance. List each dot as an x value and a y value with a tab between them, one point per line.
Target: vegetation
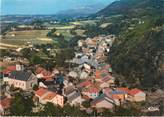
53	110
21	106
137	54
86	104
120	111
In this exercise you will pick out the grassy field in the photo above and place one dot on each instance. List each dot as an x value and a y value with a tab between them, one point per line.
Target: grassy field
20	38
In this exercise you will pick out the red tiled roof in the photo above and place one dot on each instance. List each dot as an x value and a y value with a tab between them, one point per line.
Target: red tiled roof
5	103
11	68
6	71
85	97
41	91
115	97
46	74
39	70
50	96
85	83
48	78
93	90
134	91
106	78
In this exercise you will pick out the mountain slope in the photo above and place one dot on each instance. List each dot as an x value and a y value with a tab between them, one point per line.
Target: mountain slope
131	6
138	53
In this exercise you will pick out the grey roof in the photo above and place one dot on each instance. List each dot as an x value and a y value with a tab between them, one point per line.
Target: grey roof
92	62
20	75
73	96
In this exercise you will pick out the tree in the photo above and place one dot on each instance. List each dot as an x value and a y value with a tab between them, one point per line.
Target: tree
69	110
4	52
51	110
35	87
130	111
36	60
106	113
21	106
26	52
53	30
86	104
117	82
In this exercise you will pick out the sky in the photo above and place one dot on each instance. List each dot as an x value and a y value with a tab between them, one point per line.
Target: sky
44	6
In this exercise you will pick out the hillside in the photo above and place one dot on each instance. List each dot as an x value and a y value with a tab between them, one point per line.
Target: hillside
138	53
132	7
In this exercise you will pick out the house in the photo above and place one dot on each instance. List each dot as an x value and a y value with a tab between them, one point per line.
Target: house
44	74
60	79
21	79
44	96
75	98
84	75
103	101
73	74
4	106
80	43
120	94
68	90
125	90
8	70
92	92
85	84
136	95
108	79
103	85
87	67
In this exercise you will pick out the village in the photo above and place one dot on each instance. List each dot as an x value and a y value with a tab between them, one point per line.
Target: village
89	85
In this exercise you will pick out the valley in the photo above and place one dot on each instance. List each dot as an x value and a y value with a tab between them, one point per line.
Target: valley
109	63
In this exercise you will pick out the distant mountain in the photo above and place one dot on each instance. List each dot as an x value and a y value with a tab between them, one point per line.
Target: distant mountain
138	53
82	11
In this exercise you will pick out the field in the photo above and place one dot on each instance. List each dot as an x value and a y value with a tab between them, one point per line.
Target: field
20	38
91	22
16	39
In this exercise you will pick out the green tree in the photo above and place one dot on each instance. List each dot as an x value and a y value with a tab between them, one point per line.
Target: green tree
21	106
4	52
51	110
106	113
86	104
35	87
36	60
130	111
69	110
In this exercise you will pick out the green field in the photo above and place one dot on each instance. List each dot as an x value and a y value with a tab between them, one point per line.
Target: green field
16	39
21	38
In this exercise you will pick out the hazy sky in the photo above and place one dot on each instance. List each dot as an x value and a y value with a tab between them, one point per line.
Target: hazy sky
44	6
